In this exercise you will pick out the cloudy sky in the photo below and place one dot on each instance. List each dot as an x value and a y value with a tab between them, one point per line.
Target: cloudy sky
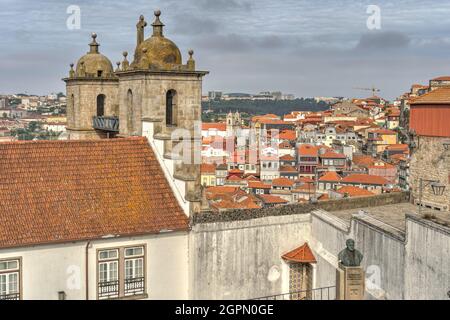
309	48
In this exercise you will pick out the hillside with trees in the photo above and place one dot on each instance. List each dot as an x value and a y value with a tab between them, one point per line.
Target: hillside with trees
278	107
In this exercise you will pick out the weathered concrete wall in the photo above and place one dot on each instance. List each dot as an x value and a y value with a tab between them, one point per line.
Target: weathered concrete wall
427	271
382	246
242	259
384	257
331	205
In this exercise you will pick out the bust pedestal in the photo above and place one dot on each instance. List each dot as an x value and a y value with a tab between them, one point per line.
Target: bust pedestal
350	283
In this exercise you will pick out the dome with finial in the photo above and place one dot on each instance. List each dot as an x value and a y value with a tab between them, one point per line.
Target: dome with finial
94	64
161	53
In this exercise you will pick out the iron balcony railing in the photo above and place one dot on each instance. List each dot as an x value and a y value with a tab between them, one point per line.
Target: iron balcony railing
324	293
134	286
10	296
108	289
106	123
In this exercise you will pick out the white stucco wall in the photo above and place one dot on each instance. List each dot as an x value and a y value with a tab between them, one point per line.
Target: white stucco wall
47	269
242	259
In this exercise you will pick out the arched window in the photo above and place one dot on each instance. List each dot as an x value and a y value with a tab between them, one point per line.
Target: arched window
171	108
130	115
100	105
71	110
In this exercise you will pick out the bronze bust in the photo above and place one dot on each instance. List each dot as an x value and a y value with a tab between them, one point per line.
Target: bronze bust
350	257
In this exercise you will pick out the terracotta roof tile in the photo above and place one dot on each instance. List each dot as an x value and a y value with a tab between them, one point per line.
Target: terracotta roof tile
282	182
270	199
364	179
330	176
352	191
301	254
59	191
437	96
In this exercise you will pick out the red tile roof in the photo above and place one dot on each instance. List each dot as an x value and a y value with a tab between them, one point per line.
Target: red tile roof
59	191
301	254
437	96
258	185
208	168
308	150
330	176
214	125
282	182
358	178
287	169
332	155
287	157
270	199
353	191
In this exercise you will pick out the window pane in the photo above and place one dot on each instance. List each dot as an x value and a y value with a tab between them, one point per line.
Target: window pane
108	254
113	271
2	283
137	251
101	272
128	269
13	287
3	265
13	264
139	268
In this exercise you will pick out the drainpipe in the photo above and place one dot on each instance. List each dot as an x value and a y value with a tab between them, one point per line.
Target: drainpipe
87	269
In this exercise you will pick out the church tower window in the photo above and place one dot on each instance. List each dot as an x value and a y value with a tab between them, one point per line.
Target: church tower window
130	115
100	105
171	108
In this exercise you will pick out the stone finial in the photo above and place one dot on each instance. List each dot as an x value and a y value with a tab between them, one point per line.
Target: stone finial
82	71
94	45
191	61
157	25
125	63
140	26
118	66
144	63
71	72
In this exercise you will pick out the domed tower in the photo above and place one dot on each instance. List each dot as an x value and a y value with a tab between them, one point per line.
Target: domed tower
160	97
92	90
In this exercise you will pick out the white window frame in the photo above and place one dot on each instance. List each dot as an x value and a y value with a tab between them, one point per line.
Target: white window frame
6	292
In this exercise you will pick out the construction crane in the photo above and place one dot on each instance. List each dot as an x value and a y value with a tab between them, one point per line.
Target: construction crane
373	89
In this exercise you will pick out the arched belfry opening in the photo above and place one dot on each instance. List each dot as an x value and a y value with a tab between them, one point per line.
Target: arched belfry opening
100	105
130	113
171	108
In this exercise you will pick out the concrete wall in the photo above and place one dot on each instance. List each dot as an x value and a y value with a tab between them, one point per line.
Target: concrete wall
47	269
427	268
242	259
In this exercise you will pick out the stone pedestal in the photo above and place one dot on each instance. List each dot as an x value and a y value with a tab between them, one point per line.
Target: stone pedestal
350	283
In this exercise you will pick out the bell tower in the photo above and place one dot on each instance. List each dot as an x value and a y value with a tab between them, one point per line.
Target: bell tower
160	98
91	94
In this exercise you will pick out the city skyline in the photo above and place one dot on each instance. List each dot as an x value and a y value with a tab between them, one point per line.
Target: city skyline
308	49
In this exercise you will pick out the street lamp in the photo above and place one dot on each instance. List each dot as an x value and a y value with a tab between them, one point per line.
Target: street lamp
437	187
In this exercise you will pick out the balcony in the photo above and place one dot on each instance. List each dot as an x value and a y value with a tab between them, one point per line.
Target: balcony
11	296
108	289
134	286
106	123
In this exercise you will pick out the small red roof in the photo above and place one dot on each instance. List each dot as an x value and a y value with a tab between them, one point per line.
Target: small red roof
352	191
267	198
214	125
282	182
258	185
287	157
301	254
332	155
330	176
308	150
364	179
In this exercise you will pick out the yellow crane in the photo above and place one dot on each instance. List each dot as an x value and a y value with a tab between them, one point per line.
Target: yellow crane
373	89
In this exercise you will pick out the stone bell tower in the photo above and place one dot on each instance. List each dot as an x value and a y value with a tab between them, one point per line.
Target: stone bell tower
91	92
160	98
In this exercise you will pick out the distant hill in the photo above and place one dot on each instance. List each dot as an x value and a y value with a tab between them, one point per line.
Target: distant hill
278	107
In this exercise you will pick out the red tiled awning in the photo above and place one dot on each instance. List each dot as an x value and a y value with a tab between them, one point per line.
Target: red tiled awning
301	254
